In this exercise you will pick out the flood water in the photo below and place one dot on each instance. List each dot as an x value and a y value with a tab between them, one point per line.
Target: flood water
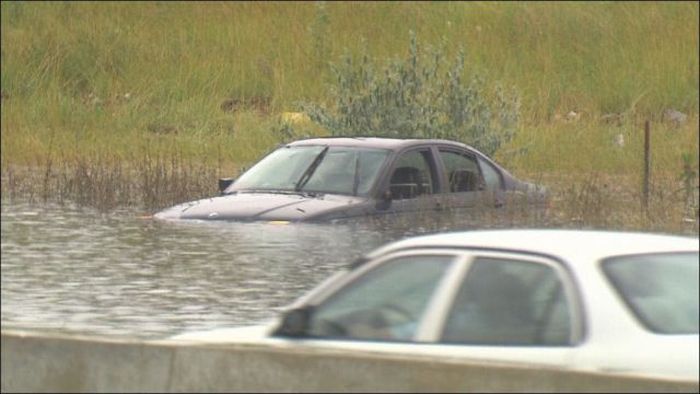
75	270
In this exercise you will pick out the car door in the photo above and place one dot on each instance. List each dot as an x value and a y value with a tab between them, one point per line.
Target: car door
512	307
412	184
465	185
481	305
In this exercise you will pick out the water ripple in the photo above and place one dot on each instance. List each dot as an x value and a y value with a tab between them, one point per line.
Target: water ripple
75	269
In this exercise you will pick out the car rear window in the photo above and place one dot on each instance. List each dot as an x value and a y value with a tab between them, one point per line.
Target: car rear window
660	289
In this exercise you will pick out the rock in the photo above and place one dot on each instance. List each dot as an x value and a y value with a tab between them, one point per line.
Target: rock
573	116
676	118
619	140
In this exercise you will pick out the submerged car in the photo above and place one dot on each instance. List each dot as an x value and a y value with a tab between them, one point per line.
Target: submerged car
335	178
611	302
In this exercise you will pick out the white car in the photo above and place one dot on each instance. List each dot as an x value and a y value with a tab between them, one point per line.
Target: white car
624	303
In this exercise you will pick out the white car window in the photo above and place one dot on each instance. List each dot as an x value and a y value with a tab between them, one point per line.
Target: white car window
385	303
660	289
509	302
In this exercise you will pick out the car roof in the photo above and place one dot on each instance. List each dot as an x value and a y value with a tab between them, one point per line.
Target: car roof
375	142
567	244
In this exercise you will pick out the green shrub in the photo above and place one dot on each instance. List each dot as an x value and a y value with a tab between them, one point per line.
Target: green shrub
417	97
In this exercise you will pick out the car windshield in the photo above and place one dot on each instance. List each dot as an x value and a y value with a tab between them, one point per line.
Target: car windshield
661	289
320	169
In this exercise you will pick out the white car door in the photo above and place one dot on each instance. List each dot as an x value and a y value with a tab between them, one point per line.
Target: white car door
478	305
511	308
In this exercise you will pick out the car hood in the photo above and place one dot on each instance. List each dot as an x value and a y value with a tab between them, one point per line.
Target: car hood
246	334
260	206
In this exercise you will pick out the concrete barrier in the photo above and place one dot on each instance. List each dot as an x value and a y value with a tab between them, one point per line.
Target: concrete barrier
34	362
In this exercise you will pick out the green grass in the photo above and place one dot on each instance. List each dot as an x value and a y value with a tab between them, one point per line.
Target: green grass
583	147
597	56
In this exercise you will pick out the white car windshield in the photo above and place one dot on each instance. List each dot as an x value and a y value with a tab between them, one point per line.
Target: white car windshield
661	289
319	169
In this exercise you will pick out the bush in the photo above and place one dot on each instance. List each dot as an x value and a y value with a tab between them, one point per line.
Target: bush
417	97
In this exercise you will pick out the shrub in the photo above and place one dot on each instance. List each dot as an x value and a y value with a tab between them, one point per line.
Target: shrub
417	97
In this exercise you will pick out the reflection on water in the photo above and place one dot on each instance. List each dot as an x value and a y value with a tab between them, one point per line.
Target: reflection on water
117	274
74	269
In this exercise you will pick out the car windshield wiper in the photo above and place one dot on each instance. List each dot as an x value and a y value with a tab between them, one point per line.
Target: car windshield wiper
310	170
281	191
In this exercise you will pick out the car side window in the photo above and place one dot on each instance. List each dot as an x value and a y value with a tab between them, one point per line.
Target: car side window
509	302
661	289
492	176
412	175
462	172
384	303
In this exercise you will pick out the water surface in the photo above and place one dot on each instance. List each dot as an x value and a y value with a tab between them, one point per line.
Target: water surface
71	269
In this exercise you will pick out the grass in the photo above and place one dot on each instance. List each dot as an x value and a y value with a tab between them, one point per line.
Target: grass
108	102
598	56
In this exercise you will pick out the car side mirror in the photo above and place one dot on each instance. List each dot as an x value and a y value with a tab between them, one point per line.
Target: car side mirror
295	322
224	183
385	200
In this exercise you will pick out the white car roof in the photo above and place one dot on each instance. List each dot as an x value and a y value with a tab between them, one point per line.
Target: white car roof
566	244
